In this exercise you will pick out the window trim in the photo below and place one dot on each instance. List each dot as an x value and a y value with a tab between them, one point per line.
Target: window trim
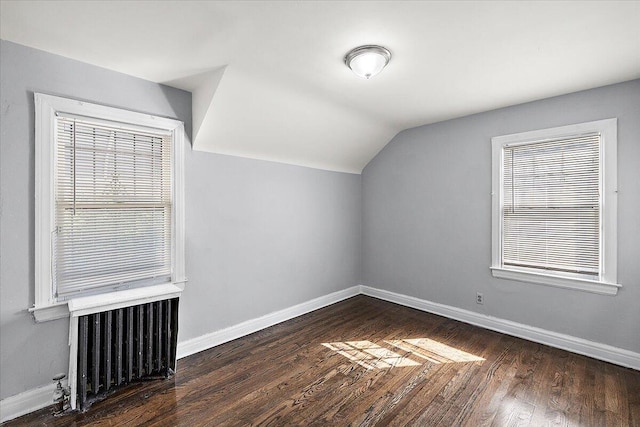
608	153
46	306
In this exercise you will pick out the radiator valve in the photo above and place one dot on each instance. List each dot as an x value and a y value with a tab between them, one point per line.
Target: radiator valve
60	395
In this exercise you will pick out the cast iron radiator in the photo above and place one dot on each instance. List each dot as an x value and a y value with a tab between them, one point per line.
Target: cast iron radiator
120	346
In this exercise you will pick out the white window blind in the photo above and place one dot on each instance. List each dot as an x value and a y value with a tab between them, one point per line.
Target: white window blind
113	206
551	205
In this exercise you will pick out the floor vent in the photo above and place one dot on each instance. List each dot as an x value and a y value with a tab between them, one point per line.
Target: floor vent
124	345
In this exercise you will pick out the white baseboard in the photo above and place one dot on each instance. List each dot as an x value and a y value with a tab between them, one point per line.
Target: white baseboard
26	402
204	342
570	343
38	398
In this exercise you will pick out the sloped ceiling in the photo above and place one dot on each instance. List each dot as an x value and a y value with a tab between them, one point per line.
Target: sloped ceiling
268	78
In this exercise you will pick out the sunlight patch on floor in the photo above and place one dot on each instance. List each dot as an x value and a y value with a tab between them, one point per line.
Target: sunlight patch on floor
434	351
370	355
373	356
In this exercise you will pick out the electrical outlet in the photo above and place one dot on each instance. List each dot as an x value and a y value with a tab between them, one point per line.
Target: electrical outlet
479	298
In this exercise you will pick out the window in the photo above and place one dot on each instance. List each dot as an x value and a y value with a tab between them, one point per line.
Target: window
109	197
554	206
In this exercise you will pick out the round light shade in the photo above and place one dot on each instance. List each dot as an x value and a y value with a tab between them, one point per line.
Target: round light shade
367	61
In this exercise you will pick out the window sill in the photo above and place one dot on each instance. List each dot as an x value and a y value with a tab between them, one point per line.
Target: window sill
592	286
50	312
114	300
107	301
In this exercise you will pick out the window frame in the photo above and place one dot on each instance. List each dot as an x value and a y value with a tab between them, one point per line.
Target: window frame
607	283
47	307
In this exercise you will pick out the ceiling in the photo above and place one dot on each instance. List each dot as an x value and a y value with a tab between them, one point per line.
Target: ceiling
269	81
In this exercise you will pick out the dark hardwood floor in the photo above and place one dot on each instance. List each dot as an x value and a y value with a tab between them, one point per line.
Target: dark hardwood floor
365	362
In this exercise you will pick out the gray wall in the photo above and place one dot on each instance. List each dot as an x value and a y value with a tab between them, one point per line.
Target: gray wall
264	236
261	236
427	218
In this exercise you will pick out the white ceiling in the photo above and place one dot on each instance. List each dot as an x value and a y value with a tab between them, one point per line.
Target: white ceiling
268	78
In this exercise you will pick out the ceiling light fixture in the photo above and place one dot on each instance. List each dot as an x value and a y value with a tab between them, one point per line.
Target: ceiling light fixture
367	61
